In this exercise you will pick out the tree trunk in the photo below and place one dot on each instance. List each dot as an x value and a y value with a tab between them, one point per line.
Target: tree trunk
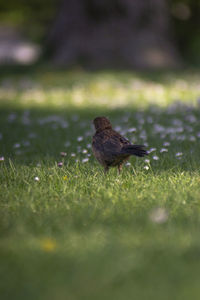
114	33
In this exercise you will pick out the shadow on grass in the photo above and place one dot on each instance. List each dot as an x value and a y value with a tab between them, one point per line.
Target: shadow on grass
41	69
40	134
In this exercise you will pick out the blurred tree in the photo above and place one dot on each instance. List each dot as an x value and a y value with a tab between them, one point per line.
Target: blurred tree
137	33
185	17
31	17
115	32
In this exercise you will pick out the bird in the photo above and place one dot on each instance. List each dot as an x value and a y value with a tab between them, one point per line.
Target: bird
110	148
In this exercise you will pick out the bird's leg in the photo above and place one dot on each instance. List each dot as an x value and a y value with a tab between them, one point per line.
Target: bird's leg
119	168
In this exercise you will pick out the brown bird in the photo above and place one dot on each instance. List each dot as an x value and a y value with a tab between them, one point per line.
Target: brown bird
110	148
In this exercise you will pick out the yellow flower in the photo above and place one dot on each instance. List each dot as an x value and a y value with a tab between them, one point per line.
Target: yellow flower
65	177
48	245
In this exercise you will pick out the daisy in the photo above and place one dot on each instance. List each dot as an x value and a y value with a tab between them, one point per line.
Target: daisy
80	138
163	150
63	154
178	154
84	160
155	157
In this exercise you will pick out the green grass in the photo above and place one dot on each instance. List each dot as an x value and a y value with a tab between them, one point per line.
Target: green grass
76	233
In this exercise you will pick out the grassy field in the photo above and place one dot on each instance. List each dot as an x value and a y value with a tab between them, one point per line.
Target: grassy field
67	231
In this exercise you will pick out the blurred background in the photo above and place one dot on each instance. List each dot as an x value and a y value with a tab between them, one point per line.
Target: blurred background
99	33
65	231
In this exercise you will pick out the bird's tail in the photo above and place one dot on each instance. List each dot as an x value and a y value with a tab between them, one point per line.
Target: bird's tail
137	150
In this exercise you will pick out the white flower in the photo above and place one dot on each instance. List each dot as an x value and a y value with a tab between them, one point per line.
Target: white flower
152	150
128	164
192	138
17	145
73	154
181	137
163	150
37	178
189	128
158	215
177	122
191	118
146	167
178	154
84	151
155	157
88	133
63	154
166	144
143	136
2	158
158	128
132	129
84	160
147	160
79	138
163	135
117	128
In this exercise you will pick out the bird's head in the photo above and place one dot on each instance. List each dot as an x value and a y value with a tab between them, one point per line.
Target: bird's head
101	123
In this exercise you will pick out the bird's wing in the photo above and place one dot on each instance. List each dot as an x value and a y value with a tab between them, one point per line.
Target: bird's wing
99	151
113	145
123	141
109	143
107	147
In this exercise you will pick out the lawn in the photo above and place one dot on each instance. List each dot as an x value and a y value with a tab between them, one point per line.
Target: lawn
67	231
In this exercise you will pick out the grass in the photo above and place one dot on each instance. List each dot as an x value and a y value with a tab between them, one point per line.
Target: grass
70	232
